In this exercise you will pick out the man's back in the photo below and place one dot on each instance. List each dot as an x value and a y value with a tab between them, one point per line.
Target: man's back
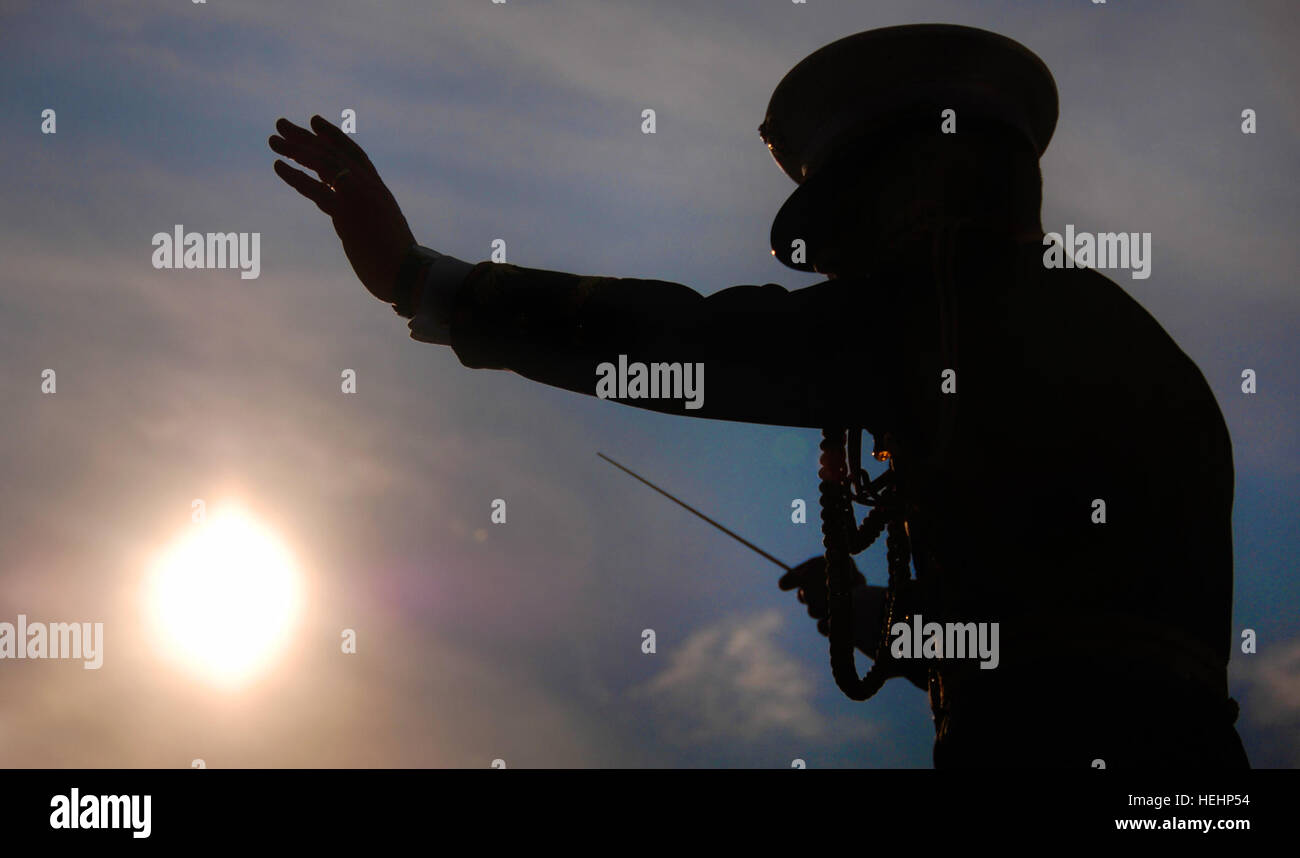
1076	488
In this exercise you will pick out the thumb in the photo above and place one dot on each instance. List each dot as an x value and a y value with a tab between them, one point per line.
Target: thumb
798	576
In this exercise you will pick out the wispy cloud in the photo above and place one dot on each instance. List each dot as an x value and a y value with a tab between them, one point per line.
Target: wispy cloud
1270	703
733	679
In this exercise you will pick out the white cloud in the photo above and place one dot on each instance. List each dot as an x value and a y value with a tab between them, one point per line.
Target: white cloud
733	680
1270	702
1273	679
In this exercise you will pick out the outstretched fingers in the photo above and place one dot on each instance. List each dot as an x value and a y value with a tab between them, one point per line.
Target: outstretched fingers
331	135
306	148
313	190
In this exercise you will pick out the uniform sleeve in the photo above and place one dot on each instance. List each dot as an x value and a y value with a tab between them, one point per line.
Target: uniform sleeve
440	277
758	354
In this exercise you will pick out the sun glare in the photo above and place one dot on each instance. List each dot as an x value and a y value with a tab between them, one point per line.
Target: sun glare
224	597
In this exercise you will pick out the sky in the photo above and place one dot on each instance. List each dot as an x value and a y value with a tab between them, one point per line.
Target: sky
521	641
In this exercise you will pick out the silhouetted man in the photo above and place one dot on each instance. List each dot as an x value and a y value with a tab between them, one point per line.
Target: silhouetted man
1012	397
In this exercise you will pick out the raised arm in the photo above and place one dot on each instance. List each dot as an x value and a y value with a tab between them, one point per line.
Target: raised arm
759	354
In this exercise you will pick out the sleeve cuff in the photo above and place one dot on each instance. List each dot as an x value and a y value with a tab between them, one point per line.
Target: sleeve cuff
442	278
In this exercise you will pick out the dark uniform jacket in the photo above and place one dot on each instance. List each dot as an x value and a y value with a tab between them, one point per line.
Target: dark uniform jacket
1114	636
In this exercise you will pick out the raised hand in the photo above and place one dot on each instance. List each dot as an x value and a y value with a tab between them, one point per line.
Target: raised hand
367	219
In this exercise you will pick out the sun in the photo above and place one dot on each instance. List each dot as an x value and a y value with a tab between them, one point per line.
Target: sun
224	597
